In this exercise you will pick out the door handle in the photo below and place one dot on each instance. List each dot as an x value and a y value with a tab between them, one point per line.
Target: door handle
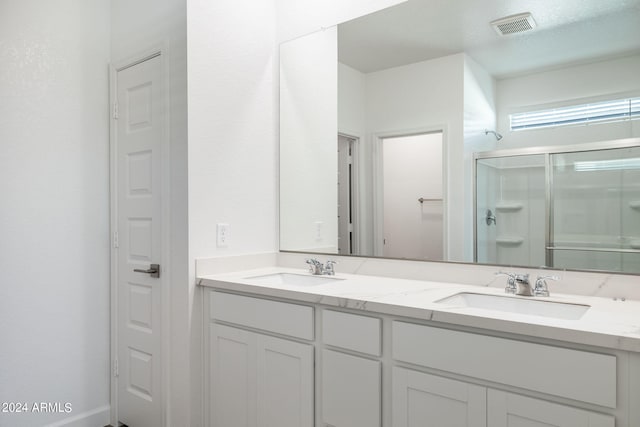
153	270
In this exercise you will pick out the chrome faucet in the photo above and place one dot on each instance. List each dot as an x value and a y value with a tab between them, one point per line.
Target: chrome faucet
541	288
329	268
316	268
517	284
511	282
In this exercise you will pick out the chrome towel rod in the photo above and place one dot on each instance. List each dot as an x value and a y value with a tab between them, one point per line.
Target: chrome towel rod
422	200
582	249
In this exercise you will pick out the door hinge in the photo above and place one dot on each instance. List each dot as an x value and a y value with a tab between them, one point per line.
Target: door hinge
115	110
115	368
116	243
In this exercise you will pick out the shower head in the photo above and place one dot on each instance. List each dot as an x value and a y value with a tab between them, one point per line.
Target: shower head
496	134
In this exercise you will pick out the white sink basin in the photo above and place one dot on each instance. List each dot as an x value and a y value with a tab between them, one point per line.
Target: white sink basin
292	279
520	305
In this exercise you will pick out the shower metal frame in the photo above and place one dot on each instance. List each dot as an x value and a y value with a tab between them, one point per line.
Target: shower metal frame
547	151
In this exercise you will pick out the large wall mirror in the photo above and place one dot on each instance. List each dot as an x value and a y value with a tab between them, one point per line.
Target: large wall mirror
437	130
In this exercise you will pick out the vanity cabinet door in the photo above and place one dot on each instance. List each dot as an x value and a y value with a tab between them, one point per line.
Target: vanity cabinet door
232	384
351	390
258	380
423	400
284	383
512	410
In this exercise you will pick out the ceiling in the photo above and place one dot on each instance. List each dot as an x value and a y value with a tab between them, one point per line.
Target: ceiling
568	31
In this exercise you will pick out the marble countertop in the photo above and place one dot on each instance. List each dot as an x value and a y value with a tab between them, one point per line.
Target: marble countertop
609	323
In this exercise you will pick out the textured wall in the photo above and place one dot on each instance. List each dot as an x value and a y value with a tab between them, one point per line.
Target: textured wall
54	223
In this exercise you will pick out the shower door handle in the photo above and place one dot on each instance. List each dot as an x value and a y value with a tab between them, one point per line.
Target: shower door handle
490	217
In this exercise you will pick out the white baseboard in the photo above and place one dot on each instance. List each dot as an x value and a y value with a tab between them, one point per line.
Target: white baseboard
98	417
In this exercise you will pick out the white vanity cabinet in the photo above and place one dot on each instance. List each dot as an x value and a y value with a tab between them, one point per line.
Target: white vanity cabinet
420	399
583	376
512	410
255	379
351	383
274	363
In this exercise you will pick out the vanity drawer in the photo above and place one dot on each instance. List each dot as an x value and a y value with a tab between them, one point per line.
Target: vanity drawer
579	375
273	316
351	332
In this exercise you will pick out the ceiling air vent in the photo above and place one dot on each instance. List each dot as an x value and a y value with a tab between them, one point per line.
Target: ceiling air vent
514	24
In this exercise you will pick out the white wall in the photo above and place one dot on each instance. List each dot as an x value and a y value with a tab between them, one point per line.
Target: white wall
233	116
479	114
426	94
233	111
232	101
232	126
614	78
54	215
308	143
299	17
451	93
136	28
351	101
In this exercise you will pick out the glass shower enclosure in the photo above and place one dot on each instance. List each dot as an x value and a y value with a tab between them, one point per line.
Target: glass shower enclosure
575	207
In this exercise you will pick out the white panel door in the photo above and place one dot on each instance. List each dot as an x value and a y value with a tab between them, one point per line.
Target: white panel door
412	170
138	155
512	410
232	366
351	390
284	383
423	400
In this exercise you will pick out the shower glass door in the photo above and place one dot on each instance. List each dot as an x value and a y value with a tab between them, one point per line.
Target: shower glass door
511	210
595	214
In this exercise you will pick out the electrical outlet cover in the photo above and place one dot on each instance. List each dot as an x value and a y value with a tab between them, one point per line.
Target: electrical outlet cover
222	235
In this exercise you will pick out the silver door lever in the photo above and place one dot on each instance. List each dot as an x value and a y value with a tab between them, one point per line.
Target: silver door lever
153	270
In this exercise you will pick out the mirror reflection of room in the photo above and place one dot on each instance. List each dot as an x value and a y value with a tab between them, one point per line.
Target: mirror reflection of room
546	78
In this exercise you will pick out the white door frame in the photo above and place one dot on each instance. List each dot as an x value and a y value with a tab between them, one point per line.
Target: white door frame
160	50
355	190
378	187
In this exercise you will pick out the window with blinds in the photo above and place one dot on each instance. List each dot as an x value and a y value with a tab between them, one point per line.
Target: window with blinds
606	111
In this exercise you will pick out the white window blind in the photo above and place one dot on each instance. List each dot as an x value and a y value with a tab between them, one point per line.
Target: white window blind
605	111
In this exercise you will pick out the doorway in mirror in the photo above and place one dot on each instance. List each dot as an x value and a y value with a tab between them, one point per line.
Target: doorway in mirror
412	196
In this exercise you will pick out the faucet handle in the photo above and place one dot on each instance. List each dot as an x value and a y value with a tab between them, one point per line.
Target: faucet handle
329	267
315	266
511	282
504	273
541	288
